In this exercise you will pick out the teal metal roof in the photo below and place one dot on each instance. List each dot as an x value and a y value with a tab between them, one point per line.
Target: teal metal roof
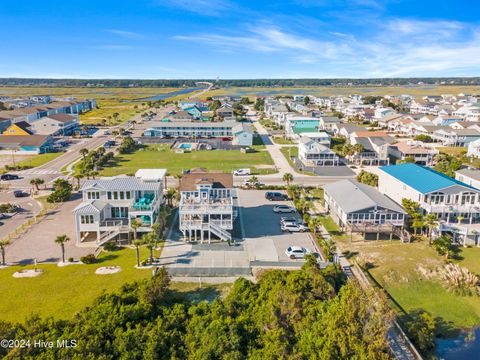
421	178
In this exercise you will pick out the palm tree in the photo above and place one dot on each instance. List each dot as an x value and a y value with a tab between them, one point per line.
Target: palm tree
163	216
135	224
431	221
109	120
151	240
288	178
155	228
417	222
3	246
61	240
104	122
314	224
83	152
460	218
170	195
78	177
115	116
330	249
137	244
37	181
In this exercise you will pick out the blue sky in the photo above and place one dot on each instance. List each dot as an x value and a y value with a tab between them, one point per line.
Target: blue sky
151	39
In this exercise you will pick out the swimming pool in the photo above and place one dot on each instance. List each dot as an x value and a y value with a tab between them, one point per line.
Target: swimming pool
185	146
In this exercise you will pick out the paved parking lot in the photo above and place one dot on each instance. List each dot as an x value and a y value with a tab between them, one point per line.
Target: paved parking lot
260	242
264	240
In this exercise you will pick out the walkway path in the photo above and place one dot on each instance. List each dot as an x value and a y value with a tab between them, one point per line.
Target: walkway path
281	163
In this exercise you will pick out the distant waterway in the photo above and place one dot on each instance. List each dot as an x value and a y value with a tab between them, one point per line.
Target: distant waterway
169	94
464	347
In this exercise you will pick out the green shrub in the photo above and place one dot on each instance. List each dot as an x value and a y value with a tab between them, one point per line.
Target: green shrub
88	259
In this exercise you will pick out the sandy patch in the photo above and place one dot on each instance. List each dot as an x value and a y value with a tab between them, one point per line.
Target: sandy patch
106	270
27	273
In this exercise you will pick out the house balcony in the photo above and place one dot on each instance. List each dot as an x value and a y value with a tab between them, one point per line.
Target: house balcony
201	225
452	208
146	203
211	206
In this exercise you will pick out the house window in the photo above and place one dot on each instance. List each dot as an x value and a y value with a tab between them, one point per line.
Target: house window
115	195
86	219
127	195
109	195
122	195
119	212
93	195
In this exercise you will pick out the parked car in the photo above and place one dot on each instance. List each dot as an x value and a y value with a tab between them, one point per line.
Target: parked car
106	132
241	172
293	228
109	144
283	209
4	216
20	193
297	252
9	177
288	220
275	196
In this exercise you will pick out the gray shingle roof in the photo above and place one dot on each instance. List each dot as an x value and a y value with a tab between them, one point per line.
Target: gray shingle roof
353	196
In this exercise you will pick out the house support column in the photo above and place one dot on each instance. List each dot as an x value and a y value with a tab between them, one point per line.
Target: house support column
201	234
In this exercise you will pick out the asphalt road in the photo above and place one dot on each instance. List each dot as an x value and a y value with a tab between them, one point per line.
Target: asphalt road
28	209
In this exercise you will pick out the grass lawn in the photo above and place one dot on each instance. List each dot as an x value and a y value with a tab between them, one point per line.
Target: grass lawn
61	292
454	151
40	159
161	156
282	141
395	268
288	151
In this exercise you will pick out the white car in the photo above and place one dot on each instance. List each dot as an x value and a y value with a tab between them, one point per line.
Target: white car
297	252
283	209
293	227
288	220
241	172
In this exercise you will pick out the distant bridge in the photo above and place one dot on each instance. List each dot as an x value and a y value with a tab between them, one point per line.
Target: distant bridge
204	84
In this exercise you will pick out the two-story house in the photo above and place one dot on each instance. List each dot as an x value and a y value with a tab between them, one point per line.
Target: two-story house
436	193
206	205
109	205
311	152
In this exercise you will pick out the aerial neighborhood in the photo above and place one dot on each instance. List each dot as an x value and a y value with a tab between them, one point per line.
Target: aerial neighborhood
222	187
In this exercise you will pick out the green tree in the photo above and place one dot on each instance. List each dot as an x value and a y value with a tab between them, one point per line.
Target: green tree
420	327
61	240
83	152
443	245
431	221
36	182
417	222
367	178
287	178
306	100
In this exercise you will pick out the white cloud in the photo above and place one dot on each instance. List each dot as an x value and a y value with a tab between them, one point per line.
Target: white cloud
125	34
201	7
395	47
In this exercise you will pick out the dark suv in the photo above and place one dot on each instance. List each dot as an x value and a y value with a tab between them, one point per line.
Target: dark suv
9	177
275	196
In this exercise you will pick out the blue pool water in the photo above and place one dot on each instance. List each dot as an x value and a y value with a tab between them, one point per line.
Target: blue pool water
185	146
